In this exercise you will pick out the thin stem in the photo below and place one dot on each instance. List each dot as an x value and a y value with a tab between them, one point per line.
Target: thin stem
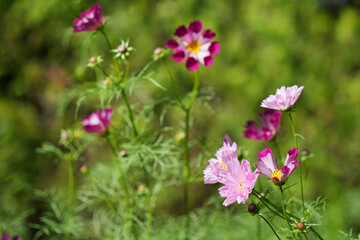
300	172
106	38
258	229
194	91
284	212
70	191
305	236
122	183
268	223
262	200
277	148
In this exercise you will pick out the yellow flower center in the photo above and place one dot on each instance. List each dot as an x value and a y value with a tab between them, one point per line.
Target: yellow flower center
194	47
223	165
240	187
276	174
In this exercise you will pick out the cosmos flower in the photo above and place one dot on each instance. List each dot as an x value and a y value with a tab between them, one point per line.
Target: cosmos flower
194	46
268	167
270	120
90	20
284	98
98	122
5	236
217	167
239	182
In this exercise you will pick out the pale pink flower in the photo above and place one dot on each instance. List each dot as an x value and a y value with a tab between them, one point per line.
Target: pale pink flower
268	167
270	120
194	46
217	167
98	122
239	182
5	236
90	20
284	98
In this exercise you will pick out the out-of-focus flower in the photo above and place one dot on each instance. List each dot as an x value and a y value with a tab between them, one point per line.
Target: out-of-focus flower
123	51
5	236
217	168
194	46
94	61
270	120
84	170
227	139
284	98
90	20
98	122
239	182
268	167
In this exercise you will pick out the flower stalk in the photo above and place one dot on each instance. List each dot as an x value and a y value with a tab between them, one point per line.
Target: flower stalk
268	223
284	211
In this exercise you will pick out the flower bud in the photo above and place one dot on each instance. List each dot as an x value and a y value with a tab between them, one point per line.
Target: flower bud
122	153
84	170
304	152
252	208
92	60
64	135
121	48
227	139
107	82
158	51
141	188
300	226
180	136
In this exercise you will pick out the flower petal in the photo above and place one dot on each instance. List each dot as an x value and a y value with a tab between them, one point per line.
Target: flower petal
179	55
191	64
214	48
172	44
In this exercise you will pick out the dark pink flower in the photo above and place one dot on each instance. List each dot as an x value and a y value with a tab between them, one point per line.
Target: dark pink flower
90	20
270	120
98	122
194	46
5	236
268	167
239	182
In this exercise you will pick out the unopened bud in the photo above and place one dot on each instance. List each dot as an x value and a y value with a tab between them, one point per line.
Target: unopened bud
300	226
121	48
84	170
64	135
158	51
107	82
123	153
141	188
227	139
252	208
180	136
93	60
304	152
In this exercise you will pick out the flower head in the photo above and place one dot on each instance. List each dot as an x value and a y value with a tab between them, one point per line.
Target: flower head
270	120
239	182
194	46
5	236
90	20
123	51
218	166
268	167
98	122
284	98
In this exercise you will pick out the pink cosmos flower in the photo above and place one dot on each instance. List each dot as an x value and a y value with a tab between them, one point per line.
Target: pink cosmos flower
90	20
5	236
268	167
194	46
239	182
217	167
270	120
98	122
284	99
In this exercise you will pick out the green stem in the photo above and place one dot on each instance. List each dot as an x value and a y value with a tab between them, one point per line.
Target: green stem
122	183
300	172
106	38
258	229
262	200
268	223
277	149
70	191
284	212
305	236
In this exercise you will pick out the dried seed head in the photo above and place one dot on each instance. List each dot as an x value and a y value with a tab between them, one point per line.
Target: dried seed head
300	226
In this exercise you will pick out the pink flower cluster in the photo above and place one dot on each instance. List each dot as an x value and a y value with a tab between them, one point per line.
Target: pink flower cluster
238	179
270	120
195	46
90	20
98	122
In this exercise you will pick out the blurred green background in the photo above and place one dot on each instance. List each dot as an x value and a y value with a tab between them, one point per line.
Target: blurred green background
264	45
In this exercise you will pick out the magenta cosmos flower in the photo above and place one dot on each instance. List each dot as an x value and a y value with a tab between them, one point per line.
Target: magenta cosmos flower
5	236
194	46
239	182
98	122
270	120
217	168
284	98
268	167
90	20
